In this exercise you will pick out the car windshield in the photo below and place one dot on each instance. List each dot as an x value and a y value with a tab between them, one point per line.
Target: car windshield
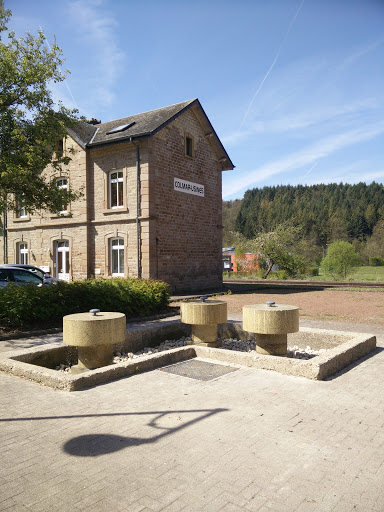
37	271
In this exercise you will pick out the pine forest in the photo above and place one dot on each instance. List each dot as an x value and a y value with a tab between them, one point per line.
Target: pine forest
322	214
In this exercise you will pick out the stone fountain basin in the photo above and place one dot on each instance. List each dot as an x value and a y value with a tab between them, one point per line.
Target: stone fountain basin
37	364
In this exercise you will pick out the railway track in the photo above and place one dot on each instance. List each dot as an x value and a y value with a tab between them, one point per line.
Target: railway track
304	284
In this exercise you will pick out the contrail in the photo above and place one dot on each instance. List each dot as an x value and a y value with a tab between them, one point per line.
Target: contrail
61	70
314	165
273	63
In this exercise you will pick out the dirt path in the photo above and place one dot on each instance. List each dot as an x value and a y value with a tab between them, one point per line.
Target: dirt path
328	304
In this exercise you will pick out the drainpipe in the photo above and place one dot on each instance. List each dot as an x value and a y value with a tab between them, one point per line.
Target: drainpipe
137	206
157	258
5	237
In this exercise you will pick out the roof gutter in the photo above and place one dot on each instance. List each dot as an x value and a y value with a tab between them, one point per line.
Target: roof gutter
122	140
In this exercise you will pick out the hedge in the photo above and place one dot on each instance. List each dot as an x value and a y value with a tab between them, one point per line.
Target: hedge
29	306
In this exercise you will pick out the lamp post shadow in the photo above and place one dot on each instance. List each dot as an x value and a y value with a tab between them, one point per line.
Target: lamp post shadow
94	445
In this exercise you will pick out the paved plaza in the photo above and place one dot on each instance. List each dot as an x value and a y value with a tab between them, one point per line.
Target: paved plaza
250	440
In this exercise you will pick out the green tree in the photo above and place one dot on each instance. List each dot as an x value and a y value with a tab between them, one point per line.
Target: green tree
281	247
325	213
336	228
375	245
230	211
240	250
340	260
30	124
370	215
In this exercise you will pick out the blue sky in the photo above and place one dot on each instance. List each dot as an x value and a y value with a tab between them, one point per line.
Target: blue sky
293	88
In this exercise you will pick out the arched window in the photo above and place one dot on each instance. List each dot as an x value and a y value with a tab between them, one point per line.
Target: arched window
22	253
117	256
62	260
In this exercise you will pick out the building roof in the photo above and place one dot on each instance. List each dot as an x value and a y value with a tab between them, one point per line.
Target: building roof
144	125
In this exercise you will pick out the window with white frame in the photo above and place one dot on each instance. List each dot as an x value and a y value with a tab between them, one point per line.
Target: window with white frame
116	189
22	255
117	256
63	266
62	184
21	211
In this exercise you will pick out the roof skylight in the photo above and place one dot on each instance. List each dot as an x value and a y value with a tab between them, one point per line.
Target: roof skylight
120	128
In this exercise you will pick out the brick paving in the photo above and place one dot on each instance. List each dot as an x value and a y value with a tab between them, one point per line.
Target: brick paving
250	440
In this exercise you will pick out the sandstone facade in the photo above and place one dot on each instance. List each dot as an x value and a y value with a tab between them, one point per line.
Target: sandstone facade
133	219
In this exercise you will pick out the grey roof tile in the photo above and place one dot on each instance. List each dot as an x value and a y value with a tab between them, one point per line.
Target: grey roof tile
145	123
142	125
82	133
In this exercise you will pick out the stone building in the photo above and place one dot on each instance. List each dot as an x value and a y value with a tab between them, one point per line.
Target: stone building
151	204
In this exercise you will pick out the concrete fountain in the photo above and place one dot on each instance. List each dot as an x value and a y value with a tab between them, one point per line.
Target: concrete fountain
271	323
204	315
101	337
94	335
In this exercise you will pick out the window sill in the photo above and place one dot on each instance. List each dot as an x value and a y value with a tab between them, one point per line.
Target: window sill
115	210
21	219
61	215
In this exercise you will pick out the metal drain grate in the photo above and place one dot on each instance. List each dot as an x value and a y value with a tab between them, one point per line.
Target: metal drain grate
200	370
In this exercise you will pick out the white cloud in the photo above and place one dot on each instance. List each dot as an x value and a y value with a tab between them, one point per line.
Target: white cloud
360	52
312	117
308	93
305	157
98	29
352	177
355	171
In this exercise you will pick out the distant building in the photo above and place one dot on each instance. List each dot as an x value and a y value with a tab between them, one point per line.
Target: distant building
248	262
151	206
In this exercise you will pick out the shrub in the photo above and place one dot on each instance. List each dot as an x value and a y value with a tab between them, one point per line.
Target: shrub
376	261
28	306
258	274
279	274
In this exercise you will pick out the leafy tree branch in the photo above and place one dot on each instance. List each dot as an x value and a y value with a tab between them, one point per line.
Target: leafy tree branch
30	123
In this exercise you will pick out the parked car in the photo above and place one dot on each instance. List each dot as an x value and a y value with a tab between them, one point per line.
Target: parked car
18	276
36	270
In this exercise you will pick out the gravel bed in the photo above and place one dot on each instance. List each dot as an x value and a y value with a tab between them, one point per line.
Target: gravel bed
228	344
250	346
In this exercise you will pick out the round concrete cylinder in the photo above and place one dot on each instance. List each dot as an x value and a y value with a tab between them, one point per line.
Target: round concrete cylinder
94	336
204	316
271	344
272	324
204	334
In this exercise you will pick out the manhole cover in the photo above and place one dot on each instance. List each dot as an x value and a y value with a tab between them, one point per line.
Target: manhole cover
200	370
